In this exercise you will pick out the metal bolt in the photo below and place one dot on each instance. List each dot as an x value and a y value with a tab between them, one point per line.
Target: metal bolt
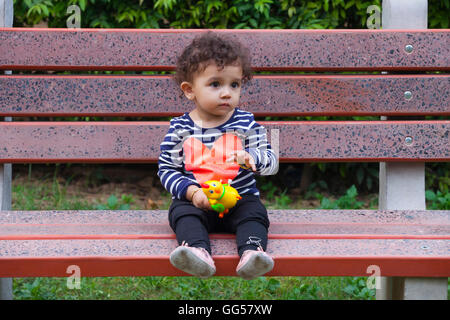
408	140
408	95
408	48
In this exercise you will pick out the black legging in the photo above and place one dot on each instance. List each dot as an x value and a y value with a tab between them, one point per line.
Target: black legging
248	220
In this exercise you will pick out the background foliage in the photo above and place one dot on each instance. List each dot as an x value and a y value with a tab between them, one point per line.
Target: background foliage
233	14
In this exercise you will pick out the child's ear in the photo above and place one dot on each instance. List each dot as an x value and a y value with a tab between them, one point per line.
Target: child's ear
187	89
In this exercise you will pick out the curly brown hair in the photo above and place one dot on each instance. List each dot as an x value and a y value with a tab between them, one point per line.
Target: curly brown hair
212	47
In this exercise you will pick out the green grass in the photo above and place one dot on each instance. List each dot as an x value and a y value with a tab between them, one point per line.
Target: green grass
190	288
49	194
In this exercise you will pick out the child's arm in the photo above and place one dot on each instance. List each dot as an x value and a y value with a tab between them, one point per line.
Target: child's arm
170	165
256	144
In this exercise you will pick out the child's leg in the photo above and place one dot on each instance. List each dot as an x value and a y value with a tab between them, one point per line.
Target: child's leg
191	226
250	222
190	230
250	235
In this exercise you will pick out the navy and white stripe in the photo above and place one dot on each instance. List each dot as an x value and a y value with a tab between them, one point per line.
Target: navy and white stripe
176	179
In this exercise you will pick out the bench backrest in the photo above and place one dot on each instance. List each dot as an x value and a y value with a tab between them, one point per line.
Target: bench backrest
364	92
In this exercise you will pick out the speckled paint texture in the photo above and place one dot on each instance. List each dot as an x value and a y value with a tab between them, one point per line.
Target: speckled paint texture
298	141
287	224
264	95
308	50
136	246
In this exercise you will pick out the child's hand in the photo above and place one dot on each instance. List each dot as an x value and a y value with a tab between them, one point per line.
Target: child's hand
200	200
244	159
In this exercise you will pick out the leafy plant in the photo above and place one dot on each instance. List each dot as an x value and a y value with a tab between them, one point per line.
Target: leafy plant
278	200
437	176
438	200
308	291
283	200
348	201
364	175
269	190
357	288
34	290
114	204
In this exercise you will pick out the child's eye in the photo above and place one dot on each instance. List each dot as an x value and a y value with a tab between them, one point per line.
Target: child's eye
214	84
235	84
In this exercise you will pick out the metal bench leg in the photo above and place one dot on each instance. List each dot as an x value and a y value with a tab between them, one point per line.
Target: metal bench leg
6	289
398	288
6	20
5	204
425	289
402	185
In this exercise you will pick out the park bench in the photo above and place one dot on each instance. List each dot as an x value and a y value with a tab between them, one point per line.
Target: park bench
408	245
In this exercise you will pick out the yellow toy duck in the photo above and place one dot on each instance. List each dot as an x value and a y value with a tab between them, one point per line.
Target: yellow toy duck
221	196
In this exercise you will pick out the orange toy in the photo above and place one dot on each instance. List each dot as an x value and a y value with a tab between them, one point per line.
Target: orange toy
222	197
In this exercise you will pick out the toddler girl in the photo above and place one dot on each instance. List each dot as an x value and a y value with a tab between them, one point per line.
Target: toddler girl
210	72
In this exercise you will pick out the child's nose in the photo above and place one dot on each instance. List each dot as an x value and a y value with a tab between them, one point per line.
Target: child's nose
225	93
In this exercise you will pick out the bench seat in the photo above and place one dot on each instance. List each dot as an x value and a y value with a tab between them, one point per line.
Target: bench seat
402	243
302	242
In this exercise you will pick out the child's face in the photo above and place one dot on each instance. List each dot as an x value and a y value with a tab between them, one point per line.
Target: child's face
216	92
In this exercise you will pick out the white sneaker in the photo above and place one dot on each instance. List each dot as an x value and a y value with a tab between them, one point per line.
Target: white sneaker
195	261
254	263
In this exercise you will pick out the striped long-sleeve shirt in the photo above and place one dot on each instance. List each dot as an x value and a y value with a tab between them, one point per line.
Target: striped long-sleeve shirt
171	169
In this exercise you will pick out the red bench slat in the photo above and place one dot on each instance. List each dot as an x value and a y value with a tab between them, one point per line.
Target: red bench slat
306	216
325	257
286	224
277	231
299	141
264	96
150	49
